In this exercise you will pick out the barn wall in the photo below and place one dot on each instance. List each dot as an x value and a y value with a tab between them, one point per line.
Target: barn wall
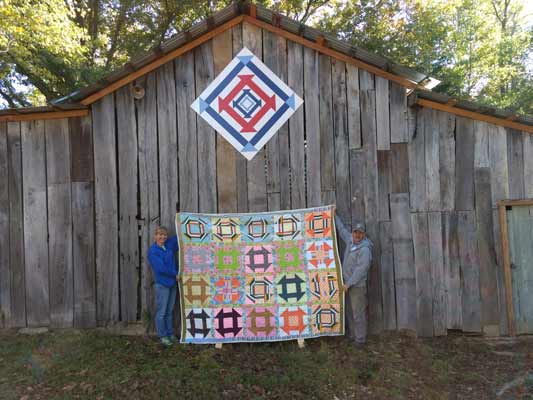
75	224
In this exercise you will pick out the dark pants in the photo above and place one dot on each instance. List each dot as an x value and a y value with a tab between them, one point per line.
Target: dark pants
165	299
356	303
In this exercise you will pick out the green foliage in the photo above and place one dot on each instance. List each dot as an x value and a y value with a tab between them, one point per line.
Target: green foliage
480	49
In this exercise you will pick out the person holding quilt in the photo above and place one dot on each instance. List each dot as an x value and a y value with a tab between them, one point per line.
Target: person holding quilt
355	266
161	256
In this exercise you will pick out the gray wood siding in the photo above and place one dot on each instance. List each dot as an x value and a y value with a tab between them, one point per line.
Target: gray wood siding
425	183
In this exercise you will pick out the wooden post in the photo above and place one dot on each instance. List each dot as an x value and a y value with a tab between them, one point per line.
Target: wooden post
301	343
218	346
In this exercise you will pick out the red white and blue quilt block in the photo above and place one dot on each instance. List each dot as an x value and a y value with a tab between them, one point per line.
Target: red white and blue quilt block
247	103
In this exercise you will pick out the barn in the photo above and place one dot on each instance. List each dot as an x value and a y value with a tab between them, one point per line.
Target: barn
442	184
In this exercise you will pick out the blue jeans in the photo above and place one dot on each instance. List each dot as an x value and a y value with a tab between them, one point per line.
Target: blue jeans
165	299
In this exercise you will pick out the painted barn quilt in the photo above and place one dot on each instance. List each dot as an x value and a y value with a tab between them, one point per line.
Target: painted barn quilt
259	277
247	103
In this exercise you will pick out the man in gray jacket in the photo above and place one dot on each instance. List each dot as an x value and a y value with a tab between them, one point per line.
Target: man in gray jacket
355	265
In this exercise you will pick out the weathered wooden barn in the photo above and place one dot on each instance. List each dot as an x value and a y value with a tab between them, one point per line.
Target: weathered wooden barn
84	182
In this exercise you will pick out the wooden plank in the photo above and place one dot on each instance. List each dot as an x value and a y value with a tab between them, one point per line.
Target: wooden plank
354	106
500	274
481	145
277	148
424	285
241	162
499	174
357	182
486	252
368	124
433	185
257	192
129	267
168	152
464	164
163	60
187	137
16	226
515	159
404	268
327	133
504	234
149	181
61	270
471	298
204	72
312	128
387	276
382	114
528	164
83	241
35	223
417	164
474	115
447	160
295	73
5	273
44	115
398	114
412	121
452	271
399	168
436	262
384	184
226	153
105	208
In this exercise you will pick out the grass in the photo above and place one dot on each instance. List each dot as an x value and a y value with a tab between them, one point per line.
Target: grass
95	365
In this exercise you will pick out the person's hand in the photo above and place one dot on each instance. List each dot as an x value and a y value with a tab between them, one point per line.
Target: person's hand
345	288
177	278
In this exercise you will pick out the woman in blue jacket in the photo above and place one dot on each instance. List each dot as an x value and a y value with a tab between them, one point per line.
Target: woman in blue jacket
161	256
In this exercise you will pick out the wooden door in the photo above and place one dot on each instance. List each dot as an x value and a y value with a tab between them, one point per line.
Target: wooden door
520	229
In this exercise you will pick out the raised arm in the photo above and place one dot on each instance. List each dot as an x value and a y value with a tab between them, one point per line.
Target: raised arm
172	243
159	266
343	231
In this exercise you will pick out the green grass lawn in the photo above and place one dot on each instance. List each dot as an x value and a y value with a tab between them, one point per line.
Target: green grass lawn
96	365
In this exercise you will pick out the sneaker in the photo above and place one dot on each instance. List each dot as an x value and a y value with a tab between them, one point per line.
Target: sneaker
166	342
173	339
360	345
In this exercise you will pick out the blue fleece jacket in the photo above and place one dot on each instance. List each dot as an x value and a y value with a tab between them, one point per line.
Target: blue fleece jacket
163	262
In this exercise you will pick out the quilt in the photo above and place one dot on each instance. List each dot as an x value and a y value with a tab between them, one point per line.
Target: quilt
259	277
247	103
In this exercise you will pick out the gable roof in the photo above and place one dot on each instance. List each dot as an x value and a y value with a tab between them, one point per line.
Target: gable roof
265	18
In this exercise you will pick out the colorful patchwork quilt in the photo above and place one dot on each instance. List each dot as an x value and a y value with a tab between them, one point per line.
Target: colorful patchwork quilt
259	277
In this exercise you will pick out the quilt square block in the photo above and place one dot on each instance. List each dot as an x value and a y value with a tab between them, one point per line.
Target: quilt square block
323	287
227	290
289	256
293	321
198	258
319	254
291	288
196	229
199	322
258	259
318	224
288	227
227	322
259	289
196	289
247	103
226	230
256	229
325	318
260	321
227	259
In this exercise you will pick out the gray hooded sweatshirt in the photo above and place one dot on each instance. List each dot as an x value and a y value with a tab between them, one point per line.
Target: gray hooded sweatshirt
357	257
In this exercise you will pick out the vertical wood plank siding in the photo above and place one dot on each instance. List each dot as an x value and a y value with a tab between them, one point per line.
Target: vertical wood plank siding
80	198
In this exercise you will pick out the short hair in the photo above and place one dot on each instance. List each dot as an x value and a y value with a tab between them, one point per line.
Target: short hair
160	229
